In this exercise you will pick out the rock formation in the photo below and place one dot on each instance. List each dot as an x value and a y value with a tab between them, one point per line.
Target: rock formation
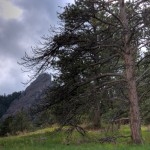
33	95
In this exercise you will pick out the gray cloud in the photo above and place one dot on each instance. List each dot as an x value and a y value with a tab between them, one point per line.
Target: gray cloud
10	75
10	36
17	36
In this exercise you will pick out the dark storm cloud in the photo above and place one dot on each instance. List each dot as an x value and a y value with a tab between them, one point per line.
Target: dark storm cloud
18	35
38	14
36	19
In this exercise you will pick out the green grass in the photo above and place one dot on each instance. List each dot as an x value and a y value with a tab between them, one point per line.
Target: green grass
45	140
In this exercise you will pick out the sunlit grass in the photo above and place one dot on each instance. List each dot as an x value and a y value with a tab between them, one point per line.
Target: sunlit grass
44	140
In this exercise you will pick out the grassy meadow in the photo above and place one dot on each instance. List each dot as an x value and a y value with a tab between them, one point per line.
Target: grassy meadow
46	139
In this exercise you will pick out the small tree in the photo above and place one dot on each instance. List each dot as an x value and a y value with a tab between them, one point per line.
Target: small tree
6	126
21	122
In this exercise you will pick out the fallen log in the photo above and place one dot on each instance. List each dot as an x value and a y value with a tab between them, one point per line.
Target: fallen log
111	139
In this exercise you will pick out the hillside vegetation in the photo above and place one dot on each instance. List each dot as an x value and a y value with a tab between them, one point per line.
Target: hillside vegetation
6	100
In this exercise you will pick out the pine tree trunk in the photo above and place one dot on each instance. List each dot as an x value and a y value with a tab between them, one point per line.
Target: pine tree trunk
129	51
97	116
135	123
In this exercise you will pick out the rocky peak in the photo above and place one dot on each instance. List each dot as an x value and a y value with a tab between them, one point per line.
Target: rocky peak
32	95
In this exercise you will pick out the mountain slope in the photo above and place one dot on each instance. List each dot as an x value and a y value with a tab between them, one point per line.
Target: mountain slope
33	94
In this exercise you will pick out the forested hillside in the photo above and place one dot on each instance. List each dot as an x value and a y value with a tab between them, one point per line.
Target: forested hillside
6	100
18	110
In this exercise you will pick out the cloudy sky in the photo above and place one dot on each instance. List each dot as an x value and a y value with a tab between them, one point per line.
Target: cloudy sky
22	23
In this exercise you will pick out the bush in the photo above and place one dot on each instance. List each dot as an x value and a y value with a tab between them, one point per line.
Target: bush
6	126
19	123
44	119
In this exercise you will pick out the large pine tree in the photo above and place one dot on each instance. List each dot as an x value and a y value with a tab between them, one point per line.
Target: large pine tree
99	47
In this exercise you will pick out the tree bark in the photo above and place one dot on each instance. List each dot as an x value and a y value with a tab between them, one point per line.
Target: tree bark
135	122
129	51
